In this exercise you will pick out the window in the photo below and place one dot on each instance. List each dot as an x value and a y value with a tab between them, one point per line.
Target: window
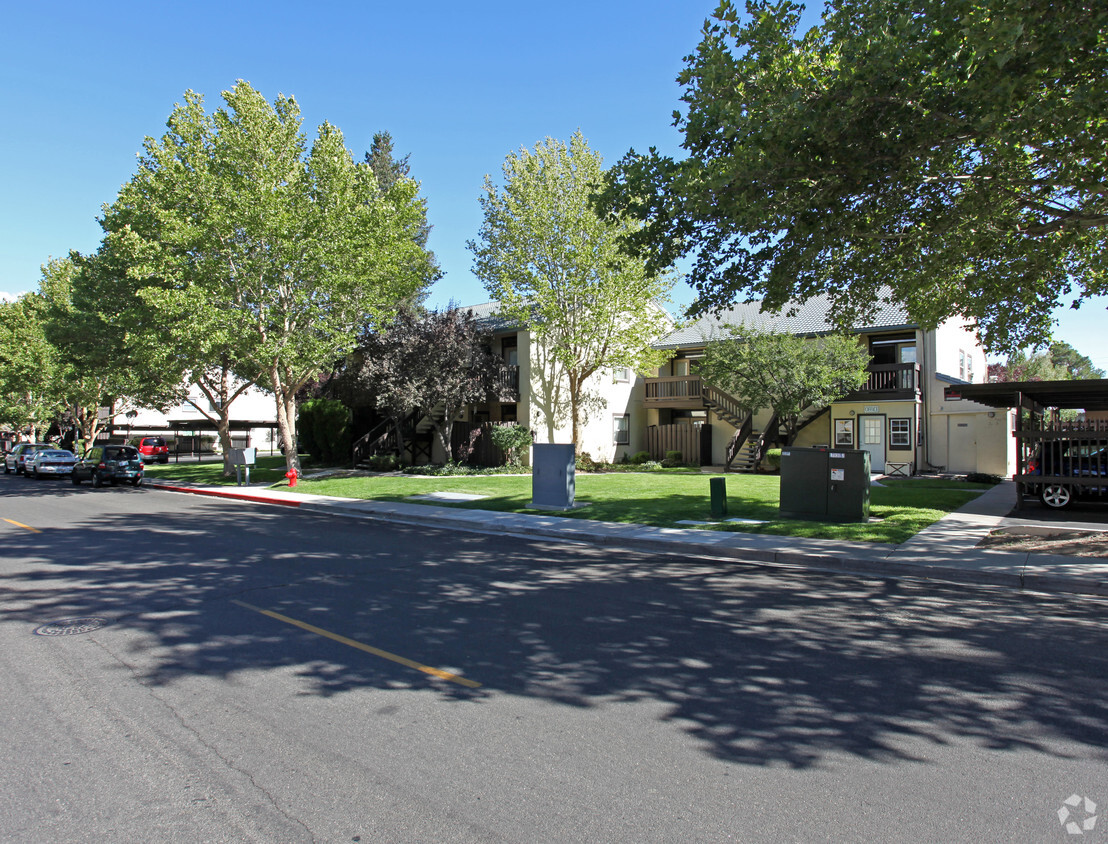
872	433
844	432
962	364
969	368
900	433
621	374
621	429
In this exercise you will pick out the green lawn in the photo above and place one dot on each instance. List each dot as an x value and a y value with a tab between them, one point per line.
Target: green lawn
269	470
898	510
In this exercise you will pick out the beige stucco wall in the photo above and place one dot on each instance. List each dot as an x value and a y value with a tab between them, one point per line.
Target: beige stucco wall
973	438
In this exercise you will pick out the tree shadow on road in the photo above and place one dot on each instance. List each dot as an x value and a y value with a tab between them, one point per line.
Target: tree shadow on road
761	666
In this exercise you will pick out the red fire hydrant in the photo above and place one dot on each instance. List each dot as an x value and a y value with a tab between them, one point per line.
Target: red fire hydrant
292	476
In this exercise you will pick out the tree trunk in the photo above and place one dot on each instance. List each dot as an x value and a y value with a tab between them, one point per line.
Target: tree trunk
396	421
286	418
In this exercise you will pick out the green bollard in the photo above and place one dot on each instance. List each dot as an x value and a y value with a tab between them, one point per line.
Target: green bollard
719	497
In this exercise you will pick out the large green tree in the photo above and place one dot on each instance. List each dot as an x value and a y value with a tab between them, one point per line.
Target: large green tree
554	265
949	154
235	230
31	382
784	372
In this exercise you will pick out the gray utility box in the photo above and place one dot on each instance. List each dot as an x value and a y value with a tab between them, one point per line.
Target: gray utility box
553	476
243	457
825	483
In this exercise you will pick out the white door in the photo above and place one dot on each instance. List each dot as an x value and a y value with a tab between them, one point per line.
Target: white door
872	438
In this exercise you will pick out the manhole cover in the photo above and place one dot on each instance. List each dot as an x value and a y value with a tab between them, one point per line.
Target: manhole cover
70	626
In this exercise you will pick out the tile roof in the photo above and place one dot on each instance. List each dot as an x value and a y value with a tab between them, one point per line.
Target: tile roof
810	318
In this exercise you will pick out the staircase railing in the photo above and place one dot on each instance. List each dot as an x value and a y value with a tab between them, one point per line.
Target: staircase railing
724	402
374	441
742	433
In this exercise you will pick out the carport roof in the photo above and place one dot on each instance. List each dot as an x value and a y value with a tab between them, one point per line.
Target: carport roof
1088	394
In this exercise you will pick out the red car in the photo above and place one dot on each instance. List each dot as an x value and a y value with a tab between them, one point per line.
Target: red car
153	448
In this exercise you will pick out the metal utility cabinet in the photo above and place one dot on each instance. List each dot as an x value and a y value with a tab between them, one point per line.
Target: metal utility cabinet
553	476
825	484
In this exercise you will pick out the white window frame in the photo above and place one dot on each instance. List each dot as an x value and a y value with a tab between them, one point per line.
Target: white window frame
623	430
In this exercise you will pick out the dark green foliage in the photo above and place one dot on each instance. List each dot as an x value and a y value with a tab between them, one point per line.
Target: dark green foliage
512	440
982	478
640	457
672	460
773	459
324	427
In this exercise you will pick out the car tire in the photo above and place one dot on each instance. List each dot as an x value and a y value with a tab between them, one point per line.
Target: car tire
136	482
163	459
1056	496
97	481
7	469
75	479
32	474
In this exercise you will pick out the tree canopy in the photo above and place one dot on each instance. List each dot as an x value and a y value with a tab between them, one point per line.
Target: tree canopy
437	362
949	154
556	266
1058	362
748	365
248	246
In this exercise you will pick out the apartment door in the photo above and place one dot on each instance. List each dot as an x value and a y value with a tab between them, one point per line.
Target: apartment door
871	436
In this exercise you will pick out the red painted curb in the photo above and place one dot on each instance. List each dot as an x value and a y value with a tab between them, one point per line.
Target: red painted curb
241	496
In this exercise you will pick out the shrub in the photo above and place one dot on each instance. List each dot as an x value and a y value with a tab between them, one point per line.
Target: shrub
672	460
384	462
511	439
650	465
584	463
640	457
982	478
773	459
324	430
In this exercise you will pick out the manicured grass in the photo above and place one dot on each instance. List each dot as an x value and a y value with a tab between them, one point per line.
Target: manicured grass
899	509
662	500
270	469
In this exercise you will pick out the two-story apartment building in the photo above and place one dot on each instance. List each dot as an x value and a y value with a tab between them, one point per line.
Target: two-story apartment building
899	415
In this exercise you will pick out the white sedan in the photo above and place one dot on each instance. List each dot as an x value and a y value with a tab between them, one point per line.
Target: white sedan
48	462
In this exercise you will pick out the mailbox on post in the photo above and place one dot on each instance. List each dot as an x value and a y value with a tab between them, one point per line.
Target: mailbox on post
243	458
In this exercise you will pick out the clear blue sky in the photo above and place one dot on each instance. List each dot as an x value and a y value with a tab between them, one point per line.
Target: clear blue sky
459	86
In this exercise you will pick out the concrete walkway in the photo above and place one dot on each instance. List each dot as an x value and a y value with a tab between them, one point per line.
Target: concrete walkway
946	551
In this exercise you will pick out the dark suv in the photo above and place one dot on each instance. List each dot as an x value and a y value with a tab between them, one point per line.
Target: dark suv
1070	469
154	448
111	464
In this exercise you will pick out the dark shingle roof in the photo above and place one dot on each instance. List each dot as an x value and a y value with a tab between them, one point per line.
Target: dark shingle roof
810	318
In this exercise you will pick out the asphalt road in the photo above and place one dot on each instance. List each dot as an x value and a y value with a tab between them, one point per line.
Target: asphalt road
264	674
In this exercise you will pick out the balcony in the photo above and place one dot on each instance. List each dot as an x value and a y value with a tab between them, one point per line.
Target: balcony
506	385
889	381
677	392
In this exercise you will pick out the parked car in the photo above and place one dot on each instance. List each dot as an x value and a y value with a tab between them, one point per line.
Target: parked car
14	461
1081	461
109	464
50	462
153	448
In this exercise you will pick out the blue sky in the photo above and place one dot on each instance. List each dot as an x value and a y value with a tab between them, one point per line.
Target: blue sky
458	85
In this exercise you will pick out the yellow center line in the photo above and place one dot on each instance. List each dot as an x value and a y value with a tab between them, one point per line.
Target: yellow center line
20	524
311	628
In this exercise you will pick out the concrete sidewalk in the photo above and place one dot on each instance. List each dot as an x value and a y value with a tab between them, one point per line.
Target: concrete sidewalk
946	551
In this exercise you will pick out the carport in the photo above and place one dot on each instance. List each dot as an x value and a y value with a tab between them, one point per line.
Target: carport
1040	430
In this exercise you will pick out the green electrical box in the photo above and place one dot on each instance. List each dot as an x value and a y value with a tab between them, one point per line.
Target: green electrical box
718	487
825	484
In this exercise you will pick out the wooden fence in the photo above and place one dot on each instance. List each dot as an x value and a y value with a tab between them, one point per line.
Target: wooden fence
693	441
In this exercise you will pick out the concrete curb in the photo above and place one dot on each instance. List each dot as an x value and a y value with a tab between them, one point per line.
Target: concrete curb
1008	570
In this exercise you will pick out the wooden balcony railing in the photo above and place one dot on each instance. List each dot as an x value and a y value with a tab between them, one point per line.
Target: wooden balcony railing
678	391
889	381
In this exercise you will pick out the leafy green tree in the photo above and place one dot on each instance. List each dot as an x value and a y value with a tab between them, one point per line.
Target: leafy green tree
954	151
784	372
99	369
553	264
279	252
1059	362
31	386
